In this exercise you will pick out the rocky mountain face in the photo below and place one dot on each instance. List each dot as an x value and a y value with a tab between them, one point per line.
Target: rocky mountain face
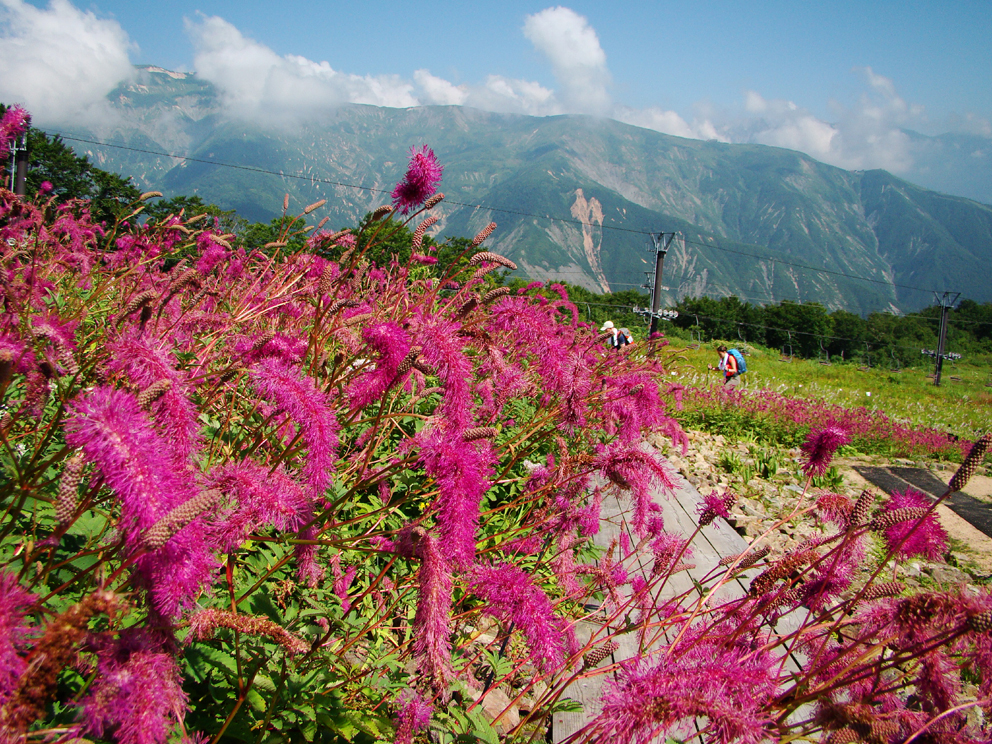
575	198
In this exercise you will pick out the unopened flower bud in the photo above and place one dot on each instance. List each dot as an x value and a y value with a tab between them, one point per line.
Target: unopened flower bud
153	392
982	622
971	463
886	519
490	257
72	476
591	658
408	361
433	201
137	302
483	234
160	533
479	432
885	589
494	294
380	212
468	306
750	558
418	234
862	508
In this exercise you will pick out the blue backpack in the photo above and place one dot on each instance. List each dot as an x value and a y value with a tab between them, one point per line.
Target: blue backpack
741	364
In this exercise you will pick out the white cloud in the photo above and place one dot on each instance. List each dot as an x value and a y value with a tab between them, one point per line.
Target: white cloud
60	62
257	83
511	96
668	122
577	59
438	90
866	135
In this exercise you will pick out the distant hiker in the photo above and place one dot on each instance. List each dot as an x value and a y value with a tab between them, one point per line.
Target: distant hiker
618	336
732	365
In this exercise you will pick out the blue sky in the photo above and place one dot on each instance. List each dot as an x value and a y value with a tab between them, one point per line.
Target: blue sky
838	80
674	54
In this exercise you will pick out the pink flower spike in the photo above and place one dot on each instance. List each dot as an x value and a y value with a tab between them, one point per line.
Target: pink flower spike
926	538
46	187
820	448
714	506
309	408
13	124
413	715
138	693
421	180
432	622
512	596
14	603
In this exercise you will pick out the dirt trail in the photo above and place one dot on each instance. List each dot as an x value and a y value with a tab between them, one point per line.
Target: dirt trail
712	463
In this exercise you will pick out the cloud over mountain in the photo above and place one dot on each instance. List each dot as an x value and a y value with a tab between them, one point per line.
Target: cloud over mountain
578	61
60	62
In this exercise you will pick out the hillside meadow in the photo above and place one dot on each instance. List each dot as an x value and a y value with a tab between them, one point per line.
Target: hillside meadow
960	406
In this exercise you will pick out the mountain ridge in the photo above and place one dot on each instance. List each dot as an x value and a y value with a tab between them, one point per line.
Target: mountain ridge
747	211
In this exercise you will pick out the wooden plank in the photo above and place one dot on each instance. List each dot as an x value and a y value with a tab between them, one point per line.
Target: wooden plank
680	512
585	690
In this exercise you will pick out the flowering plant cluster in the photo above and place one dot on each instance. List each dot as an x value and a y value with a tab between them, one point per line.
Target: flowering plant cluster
785	420
263	497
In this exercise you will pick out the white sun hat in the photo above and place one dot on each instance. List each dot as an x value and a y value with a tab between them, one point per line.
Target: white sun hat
607	325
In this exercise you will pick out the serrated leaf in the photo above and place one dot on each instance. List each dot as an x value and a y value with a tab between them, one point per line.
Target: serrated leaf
206	655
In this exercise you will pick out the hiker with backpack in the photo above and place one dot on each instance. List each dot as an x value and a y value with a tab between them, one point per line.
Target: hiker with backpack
732	365
619	337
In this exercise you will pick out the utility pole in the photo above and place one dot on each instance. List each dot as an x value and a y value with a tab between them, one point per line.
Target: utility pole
946	302
19	165
662	242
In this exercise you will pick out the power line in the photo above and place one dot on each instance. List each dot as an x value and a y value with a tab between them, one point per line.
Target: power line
810	268
798	333
314	179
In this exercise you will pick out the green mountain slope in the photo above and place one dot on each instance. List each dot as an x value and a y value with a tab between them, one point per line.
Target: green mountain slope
574	197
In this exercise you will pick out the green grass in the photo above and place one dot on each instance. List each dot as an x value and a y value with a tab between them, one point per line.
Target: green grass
962	406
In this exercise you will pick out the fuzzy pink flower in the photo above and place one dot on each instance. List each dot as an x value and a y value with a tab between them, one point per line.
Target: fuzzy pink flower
431	623
392	344
927	539
137	695
310	409
421	180
638	471
309	572
412	715
342	581
820	448
146	361
288	348
262	498
114	434
14	603
512	596
212	252
833	574
834	508
715	505
461	471
728	685
138	465
14	123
